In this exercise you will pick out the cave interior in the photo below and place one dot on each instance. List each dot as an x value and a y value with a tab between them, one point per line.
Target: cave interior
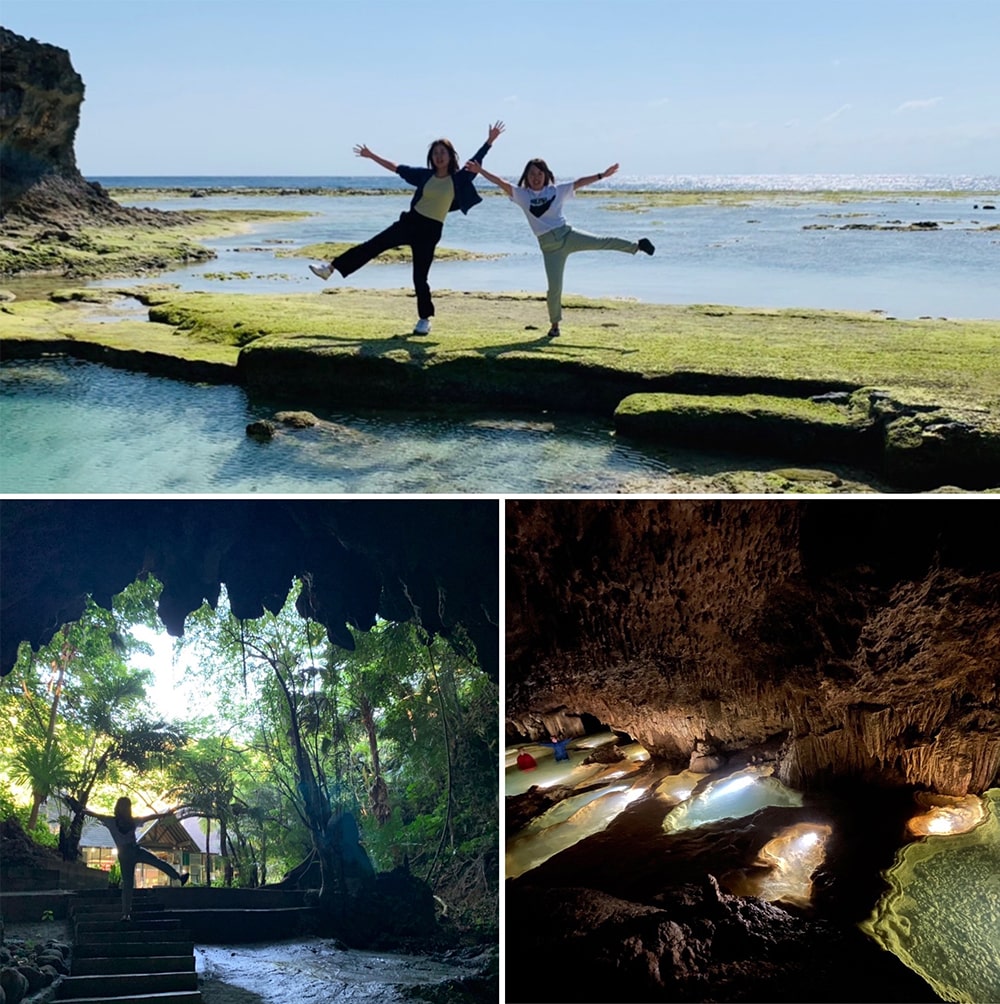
839	660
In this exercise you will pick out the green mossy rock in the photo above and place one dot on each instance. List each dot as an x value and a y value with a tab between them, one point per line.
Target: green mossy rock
752	423
915	402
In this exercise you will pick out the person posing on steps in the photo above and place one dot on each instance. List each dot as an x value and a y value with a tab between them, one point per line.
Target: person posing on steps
122	826
442	187
542	201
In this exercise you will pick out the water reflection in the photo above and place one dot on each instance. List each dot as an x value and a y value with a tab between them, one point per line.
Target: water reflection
740	794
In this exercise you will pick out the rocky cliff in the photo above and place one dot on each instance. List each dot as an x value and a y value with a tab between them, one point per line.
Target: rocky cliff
40	99
862	638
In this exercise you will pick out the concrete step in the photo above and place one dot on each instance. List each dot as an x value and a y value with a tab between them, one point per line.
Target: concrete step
139	922
112	910
110	907
106	965
136	930
176	997
131	949
112	895
115	986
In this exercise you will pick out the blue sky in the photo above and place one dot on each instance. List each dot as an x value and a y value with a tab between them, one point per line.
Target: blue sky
662	86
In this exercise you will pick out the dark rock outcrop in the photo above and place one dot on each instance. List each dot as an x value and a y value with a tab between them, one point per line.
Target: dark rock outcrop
864	636
40	99
357	559
696	943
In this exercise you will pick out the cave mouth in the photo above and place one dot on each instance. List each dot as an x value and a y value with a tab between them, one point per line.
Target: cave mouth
255	695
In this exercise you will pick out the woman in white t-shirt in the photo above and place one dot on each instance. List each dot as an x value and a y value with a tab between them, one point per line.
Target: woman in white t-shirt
542	201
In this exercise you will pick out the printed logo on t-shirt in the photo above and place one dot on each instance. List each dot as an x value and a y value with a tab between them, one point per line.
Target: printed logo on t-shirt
539	207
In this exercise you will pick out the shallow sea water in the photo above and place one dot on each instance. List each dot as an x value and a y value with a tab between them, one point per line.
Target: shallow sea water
80	427
790	251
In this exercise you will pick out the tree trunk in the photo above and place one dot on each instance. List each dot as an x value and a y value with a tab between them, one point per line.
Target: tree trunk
378	794
37	796
208	850
226	860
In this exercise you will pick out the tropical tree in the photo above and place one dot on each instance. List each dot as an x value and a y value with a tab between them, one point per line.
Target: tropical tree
78	705
401	731
206	774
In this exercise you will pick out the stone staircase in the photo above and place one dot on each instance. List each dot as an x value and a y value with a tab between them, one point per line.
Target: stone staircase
149	960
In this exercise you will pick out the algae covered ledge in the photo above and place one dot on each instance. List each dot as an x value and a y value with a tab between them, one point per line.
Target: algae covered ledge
915	402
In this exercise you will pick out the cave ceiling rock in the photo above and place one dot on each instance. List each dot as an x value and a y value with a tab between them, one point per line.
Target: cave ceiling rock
435	561
866	631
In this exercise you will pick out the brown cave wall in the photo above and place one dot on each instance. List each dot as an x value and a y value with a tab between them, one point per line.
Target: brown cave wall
864	634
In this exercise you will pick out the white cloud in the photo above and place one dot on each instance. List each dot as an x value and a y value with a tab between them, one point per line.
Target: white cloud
659	102
840	111
910	106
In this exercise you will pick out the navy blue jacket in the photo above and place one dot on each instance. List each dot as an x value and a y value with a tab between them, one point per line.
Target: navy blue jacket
466	195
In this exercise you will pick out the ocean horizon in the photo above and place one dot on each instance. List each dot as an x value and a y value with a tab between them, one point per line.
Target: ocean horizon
622	182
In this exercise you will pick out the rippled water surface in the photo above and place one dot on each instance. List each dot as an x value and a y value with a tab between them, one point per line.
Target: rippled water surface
79	427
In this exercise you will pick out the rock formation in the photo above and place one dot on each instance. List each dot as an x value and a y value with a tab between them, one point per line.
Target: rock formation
40	99
862	636
397	559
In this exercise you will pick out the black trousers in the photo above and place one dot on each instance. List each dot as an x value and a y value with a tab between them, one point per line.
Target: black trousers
419	232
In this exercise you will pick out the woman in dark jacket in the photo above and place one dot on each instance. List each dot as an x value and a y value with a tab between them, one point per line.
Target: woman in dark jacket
442	187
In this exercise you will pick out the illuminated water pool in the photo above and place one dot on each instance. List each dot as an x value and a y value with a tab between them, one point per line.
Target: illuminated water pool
941	915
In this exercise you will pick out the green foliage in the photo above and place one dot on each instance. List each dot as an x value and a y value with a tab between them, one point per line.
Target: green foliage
401	730
9	809
44	768
76	705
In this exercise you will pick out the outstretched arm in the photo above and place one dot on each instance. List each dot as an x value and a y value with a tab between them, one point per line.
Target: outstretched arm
495	130
362	151
590	179
78	806
181	812
477	168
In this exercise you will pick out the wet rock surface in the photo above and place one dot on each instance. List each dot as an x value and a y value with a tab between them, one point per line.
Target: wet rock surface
637	914
320	969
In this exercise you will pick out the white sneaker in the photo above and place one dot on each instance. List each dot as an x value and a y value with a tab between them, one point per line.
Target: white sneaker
323	271
423	326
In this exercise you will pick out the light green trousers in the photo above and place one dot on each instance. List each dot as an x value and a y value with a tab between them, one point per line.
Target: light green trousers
557	245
